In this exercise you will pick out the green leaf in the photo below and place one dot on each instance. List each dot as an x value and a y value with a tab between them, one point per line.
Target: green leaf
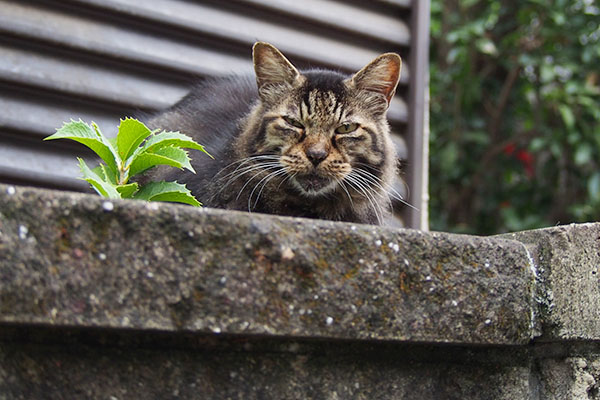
100	172
537	144
111	144
131	134
547	73
583	154
559	18
170	155
567	115
106	173
101	186
468	3
128	190
166	191
112	176
89	136
164	139
593	186
486	46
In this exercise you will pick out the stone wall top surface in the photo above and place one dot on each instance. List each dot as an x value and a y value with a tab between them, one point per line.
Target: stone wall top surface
568	290
80	260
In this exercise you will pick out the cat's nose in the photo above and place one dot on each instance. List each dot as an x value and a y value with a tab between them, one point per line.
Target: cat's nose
316	154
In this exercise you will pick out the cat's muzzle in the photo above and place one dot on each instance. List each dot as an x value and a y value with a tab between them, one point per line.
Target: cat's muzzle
314	184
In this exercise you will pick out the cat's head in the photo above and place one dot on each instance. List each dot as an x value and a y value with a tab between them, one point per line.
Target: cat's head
328	130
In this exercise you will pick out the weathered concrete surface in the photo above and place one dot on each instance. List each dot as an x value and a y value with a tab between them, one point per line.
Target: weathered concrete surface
71	259
573	378
216	367
568	263
120	299
569	370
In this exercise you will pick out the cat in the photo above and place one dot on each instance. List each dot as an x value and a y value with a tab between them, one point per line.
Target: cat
312	144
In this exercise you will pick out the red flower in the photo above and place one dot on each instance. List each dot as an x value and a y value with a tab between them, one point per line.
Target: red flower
524	156
509	149
526	159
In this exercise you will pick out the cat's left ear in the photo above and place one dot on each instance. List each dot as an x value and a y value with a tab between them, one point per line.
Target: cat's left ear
380	76
271	67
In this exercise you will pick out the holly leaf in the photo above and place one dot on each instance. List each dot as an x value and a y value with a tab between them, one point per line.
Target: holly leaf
127	191
178	139
106	173
165	139
170	155
89	136
131	134
98	181
166	191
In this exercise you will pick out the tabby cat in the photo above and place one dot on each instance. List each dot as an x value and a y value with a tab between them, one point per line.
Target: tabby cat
308	144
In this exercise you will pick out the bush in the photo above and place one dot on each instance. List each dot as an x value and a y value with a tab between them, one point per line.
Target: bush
515	139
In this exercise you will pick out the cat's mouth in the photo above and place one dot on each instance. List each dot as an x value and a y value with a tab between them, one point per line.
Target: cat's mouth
314	184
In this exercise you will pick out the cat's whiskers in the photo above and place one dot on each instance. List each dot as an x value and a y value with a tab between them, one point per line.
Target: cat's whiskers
242	162
357	183
370	184
262	169
287	178
341	183
370	181
250	168
232	177
383	186
266	180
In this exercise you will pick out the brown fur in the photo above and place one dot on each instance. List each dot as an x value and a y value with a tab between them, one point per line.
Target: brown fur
312	144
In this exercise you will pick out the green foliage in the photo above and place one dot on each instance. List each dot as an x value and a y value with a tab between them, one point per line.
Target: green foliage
166	191
135	149
515	139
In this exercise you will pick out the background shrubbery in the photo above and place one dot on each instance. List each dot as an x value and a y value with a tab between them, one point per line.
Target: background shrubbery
515	90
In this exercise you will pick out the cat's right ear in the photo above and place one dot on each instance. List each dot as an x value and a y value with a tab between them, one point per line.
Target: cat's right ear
271	67
380	76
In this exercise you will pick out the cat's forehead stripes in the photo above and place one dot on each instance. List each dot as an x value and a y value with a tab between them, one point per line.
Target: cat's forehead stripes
322	107
323	88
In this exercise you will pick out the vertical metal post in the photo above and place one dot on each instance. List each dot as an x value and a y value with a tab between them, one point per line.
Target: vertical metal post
418	122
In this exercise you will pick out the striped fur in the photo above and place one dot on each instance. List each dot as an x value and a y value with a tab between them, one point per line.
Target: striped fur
309	144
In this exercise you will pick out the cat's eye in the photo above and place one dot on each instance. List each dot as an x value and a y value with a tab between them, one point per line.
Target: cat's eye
346	128
293	122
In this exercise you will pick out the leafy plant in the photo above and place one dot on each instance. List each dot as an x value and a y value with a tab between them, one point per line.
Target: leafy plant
133	151
515	114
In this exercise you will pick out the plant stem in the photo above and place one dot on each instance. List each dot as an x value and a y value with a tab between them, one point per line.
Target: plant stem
122	175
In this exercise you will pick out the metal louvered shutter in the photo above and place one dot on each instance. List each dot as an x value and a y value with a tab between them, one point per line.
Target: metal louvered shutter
104	59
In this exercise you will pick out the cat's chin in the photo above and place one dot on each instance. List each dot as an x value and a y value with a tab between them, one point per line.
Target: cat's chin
314	185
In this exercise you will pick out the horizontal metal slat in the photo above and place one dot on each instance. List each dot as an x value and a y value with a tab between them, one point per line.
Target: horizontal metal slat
360	20
118	42
25	160
292	38
41	179
75	77
398	111
40	116
397	3
70	75
203	22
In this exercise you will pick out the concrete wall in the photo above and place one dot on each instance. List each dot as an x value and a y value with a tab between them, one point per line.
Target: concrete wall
124	299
